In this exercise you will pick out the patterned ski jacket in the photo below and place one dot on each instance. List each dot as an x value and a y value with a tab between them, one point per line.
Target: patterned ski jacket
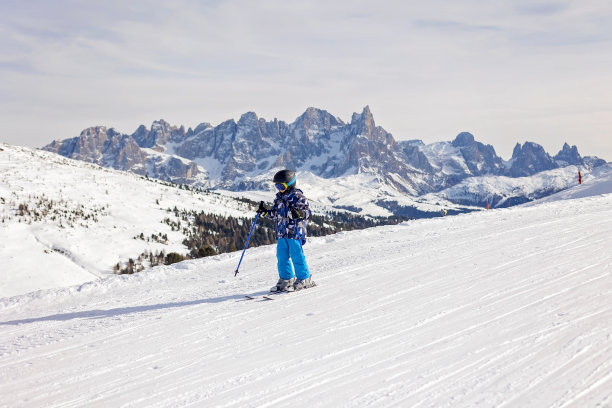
285	227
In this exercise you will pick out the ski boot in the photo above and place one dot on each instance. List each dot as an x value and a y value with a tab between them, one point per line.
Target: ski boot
283	285
303	284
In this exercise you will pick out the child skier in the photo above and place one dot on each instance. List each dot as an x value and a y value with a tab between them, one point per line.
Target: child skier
290	212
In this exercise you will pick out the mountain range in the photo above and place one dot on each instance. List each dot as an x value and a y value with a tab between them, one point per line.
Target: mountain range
241	155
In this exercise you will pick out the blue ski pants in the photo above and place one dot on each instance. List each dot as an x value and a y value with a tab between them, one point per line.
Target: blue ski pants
287	249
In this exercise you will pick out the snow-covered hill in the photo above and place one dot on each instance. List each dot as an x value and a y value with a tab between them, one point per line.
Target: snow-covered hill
80	219
508	307
598	182
501	191
65	222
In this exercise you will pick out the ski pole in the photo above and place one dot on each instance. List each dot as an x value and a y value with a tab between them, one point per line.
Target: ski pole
247	243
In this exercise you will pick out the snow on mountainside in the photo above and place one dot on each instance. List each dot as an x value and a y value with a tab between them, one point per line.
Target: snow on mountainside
66	222
501	191
508	307
362	193
596	183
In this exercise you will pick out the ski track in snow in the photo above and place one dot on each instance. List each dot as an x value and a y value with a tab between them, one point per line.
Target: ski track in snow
506	308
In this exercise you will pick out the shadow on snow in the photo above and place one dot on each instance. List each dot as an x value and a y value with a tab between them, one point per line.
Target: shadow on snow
101	314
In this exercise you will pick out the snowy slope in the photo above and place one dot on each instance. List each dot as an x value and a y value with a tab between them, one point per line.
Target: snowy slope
92	216
598	182
497	190
505	308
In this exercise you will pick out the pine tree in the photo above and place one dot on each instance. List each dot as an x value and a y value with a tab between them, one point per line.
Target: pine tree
174	257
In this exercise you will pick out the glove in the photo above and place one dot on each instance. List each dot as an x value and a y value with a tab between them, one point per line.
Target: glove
263	210
296	214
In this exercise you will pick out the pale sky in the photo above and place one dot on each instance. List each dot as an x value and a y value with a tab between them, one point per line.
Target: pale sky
506	71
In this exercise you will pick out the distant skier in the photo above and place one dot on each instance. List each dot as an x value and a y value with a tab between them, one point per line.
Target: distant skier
290	212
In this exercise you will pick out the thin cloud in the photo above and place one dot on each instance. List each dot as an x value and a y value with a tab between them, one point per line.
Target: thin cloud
541	9
446	25
427	69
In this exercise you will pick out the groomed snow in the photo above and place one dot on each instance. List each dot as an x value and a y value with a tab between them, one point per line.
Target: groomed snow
505	308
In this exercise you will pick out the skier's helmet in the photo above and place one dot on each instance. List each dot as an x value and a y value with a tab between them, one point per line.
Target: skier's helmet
284	179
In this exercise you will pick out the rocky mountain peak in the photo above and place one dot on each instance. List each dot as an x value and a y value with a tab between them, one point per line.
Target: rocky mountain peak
363	124
162	125
248	119
318	117
94	130
96	136
315	123
198	129
159	135
528	149
463	139
316	141
530	158
140	134
365	117
312	114
367	114
568	155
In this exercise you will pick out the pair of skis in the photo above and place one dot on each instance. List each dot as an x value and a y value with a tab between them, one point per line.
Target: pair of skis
272	295
253	297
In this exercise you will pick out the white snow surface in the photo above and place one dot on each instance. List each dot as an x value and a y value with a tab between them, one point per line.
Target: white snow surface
503	308
597	182
76	248
566	178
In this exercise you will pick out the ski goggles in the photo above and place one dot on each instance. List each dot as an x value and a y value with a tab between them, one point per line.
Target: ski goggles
284	186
